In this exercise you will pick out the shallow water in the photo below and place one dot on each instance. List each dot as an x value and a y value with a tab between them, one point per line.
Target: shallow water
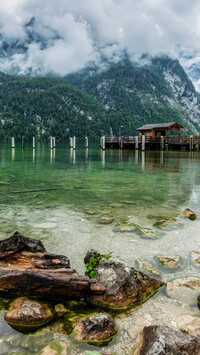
60	196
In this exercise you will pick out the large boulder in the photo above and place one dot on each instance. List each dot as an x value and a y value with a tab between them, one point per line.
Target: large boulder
26	269
160	340
123	284
95	328
25	314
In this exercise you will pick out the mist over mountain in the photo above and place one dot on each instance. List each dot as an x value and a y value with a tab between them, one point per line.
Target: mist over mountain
39	37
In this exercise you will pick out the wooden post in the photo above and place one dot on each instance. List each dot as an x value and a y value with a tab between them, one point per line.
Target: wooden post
86	142
143	142
122	142
51	142
191	142
54	142
103	142
74	142
162	143
23	142
33	142
136	142
13	142
70	142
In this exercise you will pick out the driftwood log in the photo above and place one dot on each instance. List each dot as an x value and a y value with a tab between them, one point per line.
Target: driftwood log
26	269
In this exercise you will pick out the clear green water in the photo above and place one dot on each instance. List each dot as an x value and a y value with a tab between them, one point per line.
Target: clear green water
60	196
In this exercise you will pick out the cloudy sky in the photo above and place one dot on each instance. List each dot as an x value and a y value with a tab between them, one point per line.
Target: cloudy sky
76	32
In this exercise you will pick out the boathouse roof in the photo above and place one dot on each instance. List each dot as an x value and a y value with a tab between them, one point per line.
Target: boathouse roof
159	125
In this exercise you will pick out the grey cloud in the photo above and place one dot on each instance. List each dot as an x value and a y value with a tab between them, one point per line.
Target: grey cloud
67	34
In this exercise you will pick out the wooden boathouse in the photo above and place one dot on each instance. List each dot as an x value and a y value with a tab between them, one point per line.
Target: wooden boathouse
154	136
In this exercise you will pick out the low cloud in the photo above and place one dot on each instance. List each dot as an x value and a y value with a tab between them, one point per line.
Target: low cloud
65	35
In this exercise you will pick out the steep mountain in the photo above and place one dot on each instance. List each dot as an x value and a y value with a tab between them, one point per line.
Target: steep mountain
92	102
133	95
43	107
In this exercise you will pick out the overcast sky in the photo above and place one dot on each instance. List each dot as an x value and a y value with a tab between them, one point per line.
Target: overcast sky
79	31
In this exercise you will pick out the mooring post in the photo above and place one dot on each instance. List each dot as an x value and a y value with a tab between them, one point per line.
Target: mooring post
191	142
51	142
54	142
23	142
33	142
74	142
143	142
13	142
103	142
86	142
122	142
136	142
70	142
162	143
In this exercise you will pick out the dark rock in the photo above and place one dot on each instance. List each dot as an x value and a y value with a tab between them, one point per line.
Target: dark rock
26	315
161	340
41	274
91	253
95	328
123	284
18	243
198	301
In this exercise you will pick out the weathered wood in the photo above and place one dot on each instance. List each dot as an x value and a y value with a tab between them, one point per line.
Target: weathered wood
13	142
143	142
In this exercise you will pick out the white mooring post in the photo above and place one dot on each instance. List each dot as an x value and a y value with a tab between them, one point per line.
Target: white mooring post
143	142
51	142
74	142
13	142
103	142
162	143
136	142
86	142
54	142
33	142
70	142
191	142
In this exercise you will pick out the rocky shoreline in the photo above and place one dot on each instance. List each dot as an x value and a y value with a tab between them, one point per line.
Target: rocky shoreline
45	287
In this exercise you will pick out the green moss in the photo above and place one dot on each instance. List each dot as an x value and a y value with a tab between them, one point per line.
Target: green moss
93	263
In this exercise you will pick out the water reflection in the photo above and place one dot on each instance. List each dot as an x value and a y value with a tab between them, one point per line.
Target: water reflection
13	154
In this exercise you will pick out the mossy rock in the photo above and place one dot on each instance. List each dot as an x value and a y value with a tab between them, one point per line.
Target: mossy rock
105	220
184	290
188	213
56	347
195	256
170	262
148	233
146	266
124	226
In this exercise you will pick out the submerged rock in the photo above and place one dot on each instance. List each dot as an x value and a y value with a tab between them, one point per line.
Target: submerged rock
159	339
171	262
25	314
124	227
195	255
123	284
105	220
60	309
184	290
189	214
190	324
147	266
96	328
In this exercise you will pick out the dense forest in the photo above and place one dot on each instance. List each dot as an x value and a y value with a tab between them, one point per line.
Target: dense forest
94	102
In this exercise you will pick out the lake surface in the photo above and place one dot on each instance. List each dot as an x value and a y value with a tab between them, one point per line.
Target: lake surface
62	196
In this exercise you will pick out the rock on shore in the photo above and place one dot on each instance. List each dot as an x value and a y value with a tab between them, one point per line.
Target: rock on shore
159	339
123	284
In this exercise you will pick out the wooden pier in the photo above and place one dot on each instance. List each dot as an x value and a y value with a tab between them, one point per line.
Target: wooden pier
147	142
